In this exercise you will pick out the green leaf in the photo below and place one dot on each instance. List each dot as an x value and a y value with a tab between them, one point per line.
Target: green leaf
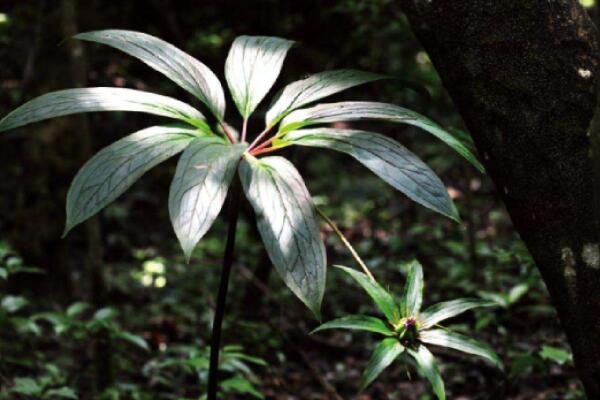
456	341
315	87
358	110
77	308
427	366
74	101
385	353
412	297
200	186
180	67
242	385
556	354
12	304
448	309
388	159
26	325
26	386
3	273
382	298
105	314
357	322
288	225
517	292
252	67
63	393
135	340
113	170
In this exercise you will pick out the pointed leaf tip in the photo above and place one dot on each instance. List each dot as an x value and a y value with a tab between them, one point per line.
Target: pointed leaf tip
385	157
360	110
97	99
199	188
252	67
111	171
412	297
288	226
175	64
383	356
382	298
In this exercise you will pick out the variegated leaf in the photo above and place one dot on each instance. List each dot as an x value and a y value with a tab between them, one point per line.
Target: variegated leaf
115	168
358	110
448	309
385	353
252	67
180	67
200	186
288	225
357	322
315	87
428	367
74	101
456	341
385	157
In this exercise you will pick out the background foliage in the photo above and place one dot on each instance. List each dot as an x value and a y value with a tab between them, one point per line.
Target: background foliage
113	311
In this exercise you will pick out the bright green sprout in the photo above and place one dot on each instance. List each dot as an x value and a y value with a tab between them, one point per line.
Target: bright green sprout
213	152
407	330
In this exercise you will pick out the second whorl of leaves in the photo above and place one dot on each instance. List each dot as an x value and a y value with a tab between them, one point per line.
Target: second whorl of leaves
212	153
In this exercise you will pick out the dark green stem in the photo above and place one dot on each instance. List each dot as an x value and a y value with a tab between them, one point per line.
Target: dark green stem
215	343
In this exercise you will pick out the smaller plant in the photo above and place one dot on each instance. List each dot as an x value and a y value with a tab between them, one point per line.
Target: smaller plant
235	365
407	330
51	385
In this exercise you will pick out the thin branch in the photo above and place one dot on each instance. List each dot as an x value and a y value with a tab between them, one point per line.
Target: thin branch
346	243
244	129
265	143
259	137
229	135
257	151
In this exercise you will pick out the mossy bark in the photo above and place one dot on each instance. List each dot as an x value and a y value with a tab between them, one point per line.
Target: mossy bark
522	75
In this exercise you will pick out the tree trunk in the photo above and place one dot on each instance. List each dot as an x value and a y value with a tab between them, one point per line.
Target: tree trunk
522	75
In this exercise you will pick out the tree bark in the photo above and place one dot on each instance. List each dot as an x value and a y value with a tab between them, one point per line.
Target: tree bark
522	75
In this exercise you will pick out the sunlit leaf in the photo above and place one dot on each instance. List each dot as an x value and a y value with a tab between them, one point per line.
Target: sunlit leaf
12	304
110	172
428	368
77	308
382	298
456	341
357	322
556	354
26	386
105	314
385	157
448	309
359	110
517	292
241	385
180	67
73	101
288	225
62	393
316	87
252	67
412	297
385	353
135	340
200	186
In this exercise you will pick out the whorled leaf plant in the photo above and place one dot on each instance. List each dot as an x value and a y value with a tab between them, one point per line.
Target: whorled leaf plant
407	330
213	152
